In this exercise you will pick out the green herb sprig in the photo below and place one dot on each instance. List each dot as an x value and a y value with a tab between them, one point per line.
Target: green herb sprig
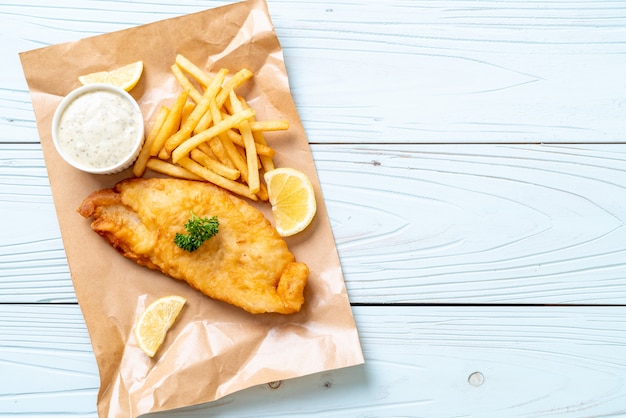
198	230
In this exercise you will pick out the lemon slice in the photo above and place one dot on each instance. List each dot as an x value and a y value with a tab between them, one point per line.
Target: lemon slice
125	77
292	198
153	324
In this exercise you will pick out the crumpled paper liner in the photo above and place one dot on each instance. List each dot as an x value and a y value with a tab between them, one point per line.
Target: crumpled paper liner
214	349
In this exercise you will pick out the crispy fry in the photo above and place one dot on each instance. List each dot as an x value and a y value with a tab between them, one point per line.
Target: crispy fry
260	148
170	169
266	161
269	125
235	81
234	155
214	178
204	147
185	84
262	193
203	106
187	109
199	75
183	149
214	165
140	164
172	123
172	142
199	110
215	145
204	123
254	182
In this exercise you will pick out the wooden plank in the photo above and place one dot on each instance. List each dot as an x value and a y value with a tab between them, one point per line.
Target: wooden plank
33	267
420	361
413	223
479	223
46	362
418	71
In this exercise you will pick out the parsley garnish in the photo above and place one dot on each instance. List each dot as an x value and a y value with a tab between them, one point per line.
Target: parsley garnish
199	230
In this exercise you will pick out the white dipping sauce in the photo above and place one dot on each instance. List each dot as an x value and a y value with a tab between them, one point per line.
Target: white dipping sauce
98	129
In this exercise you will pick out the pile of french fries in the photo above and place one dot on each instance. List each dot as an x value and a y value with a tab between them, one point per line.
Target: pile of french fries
210	133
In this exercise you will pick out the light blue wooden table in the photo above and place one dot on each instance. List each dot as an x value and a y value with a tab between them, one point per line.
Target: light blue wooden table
472	156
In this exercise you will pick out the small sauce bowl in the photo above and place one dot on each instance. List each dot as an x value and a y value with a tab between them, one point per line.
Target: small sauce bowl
98	128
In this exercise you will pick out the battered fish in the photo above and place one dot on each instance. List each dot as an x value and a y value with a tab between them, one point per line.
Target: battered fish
247	264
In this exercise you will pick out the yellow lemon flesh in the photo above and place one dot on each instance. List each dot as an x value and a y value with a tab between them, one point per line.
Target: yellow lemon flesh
292	198
153	324
125	77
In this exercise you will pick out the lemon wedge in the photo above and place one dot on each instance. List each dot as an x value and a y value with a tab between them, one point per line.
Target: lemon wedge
292	198
155	321
125	77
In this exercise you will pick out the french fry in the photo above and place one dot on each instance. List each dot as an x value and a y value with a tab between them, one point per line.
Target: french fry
254	182
215	130
172	142
216	179
203	105
187	109
170	169
262	193
266	161
231	151
171	124
215	145
140	164
235	81
269	125
204	147
260	148
214	165
185	84
209	94
194	118
204	123
199	75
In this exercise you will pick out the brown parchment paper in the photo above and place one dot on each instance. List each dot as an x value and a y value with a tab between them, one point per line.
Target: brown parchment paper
214	349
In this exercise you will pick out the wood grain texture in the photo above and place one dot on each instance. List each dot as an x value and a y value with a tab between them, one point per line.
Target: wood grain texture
33	267
458	71
549	361
413	223
47	366
479	224
401	71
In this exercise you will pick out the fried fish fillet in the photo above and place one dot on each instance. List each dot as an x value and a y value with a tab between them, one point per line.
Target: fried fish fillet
247	264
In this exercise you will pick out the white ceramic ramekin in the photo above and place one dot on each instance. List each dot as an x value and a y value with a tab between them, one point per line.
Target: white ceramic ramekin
133	144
